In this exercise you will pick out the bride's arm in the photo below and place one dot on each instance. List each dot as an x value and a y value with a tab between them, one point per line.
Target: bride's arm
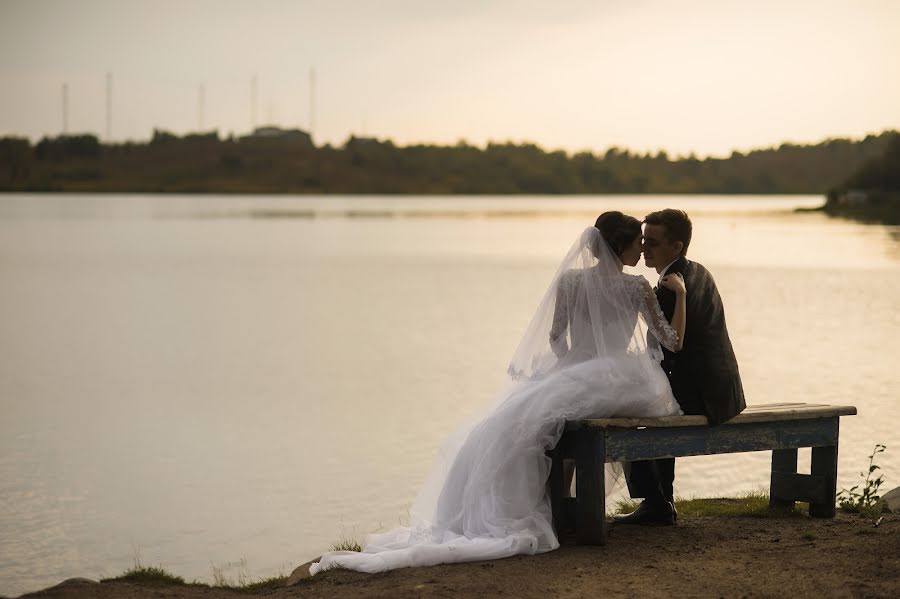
675	282
670	336
558	342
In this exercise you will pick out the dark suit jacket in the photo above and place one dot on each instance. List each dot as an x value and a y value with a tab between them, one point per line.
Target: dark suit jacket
704	374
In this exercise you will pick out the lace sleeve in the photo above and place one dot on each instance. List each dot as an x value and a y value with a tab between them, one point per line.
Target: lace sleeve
558	342
656	320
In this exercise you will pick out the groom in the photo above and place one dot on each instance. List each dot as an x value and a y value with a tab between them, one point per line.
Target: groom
704	374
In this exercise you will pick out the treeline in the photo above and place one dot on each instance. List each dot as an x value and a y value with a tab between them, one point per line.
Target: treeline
207	163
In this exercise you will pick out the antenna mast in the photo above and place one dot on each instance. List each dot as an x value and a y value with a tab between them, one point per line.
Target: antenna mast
109	84
312	101
254	92
201	105
65	108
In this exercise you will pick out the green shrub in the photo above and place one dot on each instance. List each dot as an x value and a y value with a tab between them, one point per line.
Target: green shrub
867	501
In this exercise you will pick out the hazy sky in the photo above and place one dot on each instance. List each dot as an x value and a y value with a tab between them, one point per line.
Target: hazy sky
687	75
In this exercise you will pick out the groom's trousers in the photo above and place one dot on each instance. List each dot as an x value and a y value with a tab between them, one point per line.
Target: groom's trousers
651	479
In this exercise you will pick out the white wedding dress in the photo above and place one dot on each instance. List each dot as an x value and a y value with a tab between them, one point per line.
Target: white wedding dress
586	354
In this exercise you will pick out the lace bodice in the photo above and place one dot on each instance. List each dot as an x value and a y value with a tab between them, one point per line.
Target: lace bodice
643	300
647	304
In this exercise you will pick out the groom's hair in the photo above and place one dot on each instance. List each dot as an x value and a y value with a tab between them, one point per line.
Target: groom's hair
618	230
676	223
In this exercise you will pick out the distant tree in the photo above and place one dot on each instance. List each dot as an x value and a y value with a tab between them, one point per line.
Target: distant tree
211	136
15	161
162	137
881	173
68	146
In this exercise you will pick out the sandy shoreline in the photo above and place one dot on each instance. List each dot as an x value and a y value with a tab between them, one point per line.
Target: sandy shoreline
701	557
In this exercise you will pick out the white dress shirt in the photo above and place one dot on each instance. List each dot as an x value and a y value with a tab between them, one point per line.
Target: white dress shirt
663	271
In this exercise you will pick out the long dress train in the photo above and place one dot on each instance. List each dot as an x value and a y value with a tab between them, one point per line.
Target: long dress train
584	355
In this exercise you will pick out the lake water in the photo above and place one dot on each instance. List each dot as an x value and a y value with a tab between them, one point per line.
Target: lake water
201	379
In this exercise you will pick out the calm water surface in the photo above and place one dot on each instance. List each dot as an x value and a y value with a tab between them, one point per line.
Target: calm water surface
202	379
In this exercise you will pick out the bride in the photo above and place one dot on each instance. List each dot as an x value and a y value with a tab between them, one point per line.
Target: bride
586	354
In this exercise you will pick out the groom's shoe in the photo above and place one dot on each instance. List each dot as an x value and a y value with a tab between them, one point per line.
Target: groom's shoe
654	515
674	511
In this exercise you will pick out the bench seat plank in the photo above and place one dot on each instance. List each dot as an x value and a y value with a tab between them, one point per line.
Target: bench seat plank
751	414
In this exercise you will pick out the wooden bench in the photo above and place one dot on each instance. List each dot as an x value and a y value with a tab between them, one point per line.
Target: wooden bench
779	428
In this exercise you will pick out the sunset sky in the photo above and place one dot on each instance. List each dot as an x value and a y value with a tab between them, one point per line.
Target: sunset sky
704	76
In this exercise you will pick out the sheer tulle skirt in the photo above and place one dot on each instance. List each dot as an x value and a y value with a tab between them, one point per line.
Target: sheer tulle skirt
486	495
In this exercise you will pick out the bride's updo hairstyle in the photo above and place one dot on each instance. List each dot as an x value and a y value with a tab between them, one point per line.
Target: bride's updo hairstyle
618	230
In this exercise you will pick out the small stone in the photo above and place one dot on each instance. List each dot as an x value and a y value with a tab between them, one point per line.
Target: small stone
892	499
300	573
76	581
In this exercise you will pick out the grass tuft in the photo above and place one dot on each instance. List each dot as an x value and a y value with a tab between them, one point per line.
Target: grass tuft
242	580
151	576
754	504
147	575
347	544
265	584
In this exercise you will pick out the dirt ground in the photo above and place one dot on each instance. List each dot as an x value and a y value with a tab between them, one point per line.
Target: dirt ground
701	557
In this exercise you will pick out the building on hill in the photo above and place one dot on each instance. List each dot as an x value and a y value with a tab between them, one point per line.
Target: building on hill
362	141
271	132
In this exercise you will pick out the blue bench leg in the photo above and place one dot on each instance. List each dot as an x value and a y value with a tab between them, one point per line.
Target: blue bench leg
555	489
784	461
824	464
590	486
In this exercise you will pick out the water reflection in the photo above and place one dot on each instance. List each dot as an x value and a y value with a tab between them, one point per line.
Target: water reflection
211	389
